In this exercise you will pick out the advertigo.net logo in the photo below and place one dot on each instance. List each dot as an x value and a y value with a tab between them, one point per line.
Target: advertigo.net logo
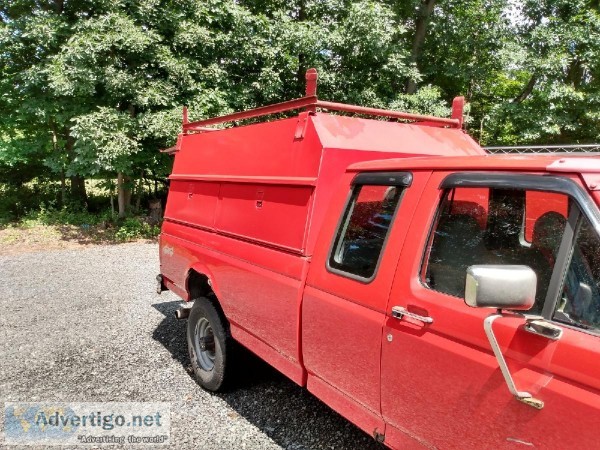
86	423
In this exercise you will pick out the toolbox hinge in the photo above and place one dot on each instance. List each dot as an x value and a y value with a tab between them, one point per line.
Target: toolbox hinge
301	125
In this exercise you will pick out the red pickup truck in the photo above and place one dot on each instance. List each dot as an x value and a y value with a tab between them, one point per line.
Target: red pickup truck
434	295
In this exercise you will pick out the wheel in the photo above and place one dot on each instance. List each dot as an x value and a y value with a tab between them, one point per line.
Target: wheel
209	345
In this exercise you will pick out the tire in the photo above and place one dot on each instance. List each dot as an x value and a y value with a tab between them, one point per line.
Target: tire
209	345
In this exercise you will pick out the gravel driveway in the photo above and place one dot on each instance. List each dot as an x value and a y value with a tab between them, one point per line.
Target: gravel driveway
85	325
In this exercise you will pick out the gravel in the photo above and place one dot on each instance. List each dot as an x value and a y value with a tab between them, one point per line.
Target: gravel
86	325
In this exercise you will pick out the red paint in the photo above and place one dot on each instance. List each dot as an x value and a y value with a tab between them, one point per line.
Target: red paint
256	208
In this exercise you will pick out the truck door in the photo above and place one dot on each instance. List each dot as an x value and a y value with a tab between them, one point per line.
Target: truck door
351	273
441	384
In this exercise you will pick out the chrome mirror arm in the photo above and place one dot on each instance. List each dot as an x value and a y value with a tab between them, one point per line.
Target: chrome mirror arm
522	396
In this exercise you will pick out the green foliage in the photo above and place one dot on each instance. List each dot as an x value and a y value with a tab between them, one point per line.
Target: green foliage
135	228
99	226
366	64
547	90
50	214
16	202
427	100
104	142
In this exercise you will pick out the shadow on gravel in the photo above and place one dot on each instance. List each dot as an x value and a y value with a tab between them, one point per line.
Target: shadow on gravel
287	413
171	332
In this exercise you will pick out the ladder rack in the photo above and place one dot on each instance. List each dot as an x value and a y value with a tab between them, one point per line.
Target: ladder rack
310	102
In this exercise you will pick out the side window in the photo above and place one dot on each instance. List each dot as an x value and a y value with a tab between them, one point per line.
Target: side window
579	303
486	226
363	230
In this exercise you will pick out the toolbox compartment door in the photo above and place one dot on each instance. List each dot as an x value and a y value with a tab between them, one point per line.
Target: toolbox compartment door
272	214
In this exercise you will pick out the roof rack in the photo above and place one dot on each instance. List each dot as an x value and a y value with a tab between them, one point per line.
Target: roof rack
310	103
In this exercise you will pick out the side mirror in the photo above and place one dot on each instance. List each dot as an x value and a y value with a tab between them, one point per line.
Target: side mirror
503	287
500	287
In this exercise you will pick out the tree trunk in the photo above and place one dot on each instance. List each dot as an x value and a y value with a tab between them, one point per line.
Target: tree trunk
63	188
123	193
59	6
575	73
527	90
78	192
140	191
421	24
155	206
112	203
63	181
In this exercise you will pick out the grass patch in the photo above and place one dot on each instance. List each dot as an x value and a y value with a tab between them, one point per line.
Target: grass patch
50	227
48	214
33	217
134	228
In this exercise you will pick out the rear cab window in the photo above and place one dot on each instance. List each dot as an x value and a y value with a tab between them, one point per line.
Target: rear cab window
365	224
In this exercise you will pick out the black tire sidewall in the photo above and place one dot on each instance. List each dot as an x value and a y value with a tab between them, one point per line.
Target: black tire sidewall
214	379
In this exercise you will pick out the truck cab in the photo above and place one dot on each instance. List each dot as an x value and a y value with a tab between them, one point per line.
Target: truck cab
439	374
433	294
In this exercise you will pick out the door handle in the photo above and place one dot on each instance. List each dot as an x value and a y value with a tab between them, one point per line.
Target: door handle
398	312
539	326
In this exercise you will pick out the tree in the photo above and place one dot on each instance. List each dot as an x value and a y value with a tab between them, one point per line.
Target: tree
119	64
87	77
35	120
552	92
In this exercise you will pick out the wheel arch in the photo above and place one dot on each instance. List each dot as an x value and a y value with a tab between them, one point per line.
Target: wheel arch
200	283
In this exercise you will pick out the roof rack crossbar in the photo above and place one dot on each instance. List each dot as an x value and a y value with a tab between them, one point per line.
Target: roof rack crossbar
385	113
290	105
